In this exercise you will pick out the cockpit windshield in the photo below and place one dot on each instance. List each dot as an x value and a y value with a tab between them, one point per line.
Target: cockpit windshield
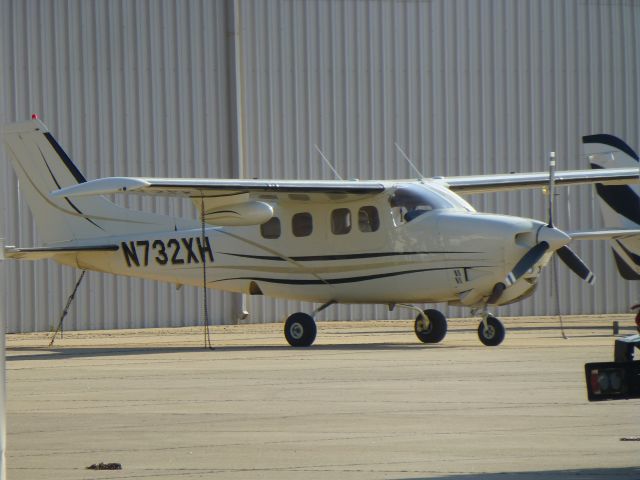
410	201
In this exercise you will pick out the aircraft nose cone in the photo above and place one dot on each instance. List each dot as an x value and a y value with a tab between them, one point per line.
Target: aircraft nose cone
554	237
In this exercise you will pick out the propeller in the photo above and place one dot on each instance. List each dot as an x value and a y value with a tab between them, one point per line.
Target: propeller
528	260
575	263
568	256
548	237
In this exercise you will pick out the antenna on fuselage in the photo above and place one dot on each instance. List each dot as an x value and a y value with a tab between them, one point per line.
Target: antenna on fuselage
328	162
406	157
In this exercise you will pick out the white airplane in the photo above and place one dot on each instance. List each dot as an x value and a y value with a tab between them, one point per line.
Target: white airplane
396	242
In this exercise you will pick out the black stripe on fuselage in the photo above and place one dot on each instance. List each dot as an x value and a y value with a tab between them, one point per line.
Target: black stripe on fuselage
634	258
625	270
321	258
77	174
621	198
55	180
338	281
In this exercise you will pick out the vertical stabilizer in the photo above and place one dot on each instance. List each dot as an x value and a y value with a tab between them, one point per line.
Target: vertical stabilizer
42	166
620	204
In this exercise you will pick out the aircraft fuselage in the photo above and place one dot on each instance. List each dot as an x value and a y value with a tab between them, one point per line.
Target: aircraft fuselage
324	249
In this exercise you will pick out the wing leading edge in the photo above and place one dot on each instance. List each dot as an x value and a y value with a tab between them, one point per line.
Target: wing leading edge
198	187
516	181
463	185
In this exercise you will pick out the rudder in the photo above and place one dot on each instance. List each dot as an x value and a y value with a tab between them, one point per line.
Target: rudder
620	204
42	166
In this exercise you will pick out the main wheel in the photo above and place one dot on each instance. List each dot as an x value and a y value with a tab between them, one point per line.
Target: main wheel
494	334
300	330
433	330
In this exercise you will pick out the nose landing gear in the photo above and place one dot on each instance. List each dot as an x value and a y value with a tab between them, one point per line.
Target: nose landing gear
491	331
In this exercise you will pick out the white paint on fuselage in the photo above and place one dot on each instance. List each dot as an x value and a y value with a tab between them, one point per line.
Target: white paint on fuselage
440	256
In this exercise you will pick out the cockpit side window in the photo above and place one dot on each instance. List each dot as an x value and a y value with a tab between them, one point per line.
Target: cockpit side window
410	201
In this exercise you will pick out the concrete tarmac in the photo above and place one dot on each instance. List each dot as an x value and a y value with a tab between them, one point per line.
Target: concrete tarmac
367	401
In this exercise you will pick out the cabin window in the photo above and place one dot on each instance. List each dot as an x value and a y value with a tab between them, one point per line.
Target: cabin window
271	229
341	221
368	219
302	224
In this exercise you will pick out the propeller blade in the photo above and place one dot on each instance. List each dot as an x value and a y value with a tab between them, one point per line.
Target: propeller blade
574	262
496	293
527	261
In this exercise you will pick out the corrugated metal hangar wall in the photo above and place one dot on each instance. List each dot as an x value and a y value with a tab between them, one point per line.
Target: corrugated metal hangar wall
247	88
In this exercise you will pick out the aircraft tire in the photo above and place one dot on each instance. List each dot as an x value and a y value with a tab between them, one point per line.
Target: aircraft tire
435	331
494	334
300	330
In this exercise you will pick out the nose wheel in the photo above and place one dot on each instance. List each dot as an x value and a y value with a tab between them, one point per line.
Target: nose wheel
491	331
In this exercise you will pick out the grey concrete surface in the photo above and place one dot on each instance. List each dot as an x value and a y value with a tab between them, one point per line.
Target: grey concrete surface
366	402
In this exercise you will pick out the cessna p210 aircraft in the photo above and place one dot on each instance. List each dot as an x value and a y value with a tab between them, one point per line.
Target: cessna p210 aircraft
395	242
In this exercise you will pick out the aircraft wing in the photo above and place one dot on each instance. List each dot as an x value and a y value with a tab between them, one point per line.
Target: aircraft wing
198	187
515	181
223	202
604	234
39	253
463	185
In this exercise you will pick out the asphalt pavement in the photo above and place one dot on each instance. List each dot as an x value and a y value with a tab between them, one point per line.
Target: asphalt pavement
367	401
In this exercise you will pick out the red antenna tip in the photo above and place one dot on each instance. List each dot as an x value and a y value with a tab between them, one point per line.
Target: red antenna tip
35	116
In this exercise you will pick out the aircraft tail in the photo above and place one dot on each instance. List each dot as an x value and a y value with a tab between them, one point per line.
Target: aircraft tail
42	166
620	204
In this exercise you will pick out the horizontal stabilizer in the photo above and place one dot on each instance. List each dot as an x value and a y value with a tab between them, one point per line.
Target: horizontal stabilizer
40	253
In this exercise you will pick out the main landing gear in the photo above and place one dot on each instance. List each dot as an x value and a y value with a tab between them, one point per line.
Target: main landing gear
430	326
300	328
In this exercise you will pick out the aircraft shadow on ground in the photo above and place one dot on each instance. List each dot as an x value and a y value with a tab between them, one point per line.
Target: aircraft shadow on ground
44	353
625	473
